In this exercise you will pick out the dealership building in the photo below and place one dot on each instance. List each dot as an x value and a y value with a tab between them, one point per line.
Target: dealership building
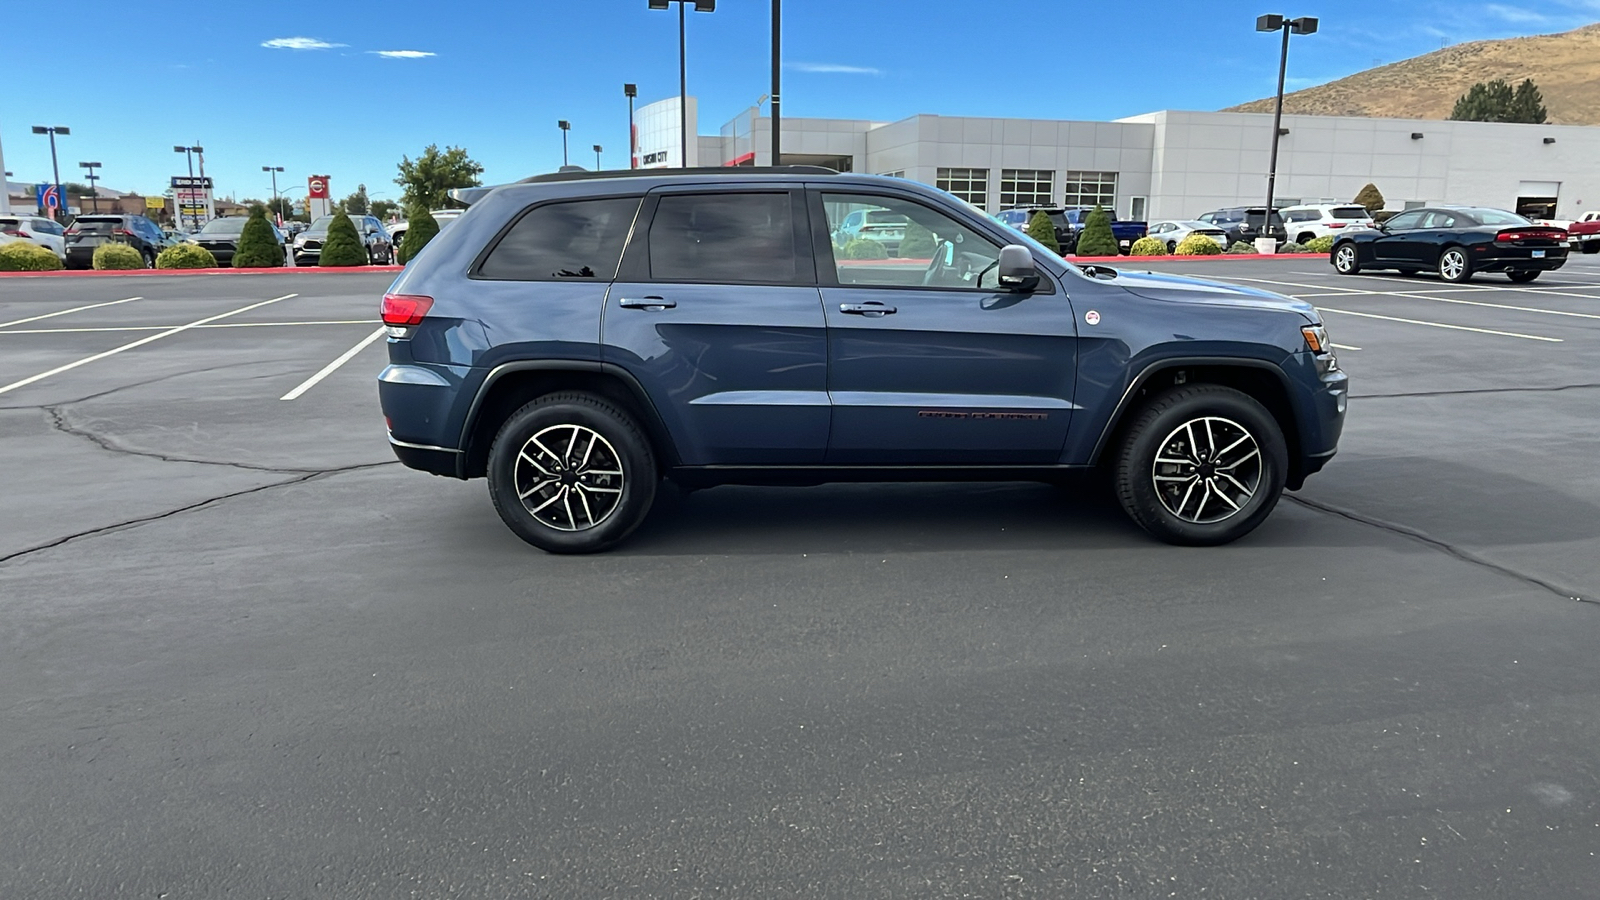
1170	164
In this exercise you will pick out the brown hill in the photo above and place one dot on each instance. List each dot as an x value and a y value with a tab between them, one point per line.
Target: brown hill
1565	66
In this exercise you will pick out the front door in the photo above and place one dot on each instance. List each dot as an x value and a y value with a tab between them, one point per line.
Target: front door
1397	244
931	364
716	313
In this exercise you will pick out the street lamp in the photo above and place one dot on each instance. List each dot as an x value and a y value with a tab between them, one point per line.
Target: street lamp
777	69
631	91
597	157
94	189
565	127
1302	25
277	211
704	6
55	169
188	153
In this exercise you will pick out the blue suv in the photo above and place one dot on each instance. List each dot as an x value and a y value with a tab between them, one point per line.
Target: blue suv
578	337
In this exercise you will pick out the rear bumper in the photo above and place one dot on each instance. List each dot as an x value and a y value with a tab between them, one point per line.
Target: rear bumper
434	460
1495	259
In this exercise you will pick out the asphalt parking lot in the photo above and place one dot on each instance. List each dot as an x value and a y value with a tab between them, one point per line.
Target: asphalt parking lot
244	653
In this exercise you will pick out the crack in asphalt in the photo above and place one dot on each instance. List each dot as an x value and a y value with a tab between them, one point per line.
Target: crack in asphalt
58	420
1466	556
1507	390
190	507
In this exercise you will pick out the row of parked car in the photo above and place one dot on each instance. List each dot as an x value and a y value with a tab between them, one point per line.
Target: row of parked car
1242	224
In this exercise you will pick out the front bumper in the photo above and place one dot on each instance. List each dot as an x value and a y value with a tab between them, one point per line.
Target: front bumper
1323	398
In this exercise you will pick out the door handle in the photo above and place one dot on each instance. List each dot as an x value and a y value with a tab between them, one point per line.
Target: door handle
649	303
874	309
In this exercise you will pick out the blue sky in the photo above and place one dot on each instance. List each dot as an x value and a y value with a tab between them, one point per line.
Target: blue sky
495	75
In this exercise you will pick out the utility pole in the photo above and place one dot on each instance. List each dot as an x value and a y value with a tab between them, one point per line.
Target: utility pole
5	186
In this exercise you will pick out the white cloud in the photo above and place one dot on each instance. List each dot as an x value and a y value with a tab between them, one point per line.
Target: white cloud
299	43
403	54
1516	15
834	69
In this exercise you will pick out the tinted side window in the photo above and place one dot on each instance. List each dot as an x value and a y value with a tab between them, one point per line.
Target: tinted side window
580	239
724	238
1405	221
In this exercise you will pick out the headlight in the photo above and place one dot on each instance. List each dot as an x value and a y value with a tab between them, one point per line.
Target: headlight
1317	338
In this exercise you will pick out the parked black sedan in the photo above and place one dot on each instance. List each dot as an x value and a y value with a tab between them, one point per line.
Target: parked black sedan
221	237
1455	241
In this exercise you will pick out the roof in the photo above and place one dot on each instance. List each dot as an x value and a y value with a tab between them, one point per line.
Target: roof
472	195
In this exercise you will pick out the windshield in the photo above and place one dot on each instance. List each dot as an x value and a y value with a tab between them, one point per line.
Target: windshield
321	224
227	225
1497	217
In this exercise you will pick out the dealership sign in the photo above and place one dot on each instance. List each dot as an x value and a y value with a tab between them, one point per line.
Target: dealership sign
193	198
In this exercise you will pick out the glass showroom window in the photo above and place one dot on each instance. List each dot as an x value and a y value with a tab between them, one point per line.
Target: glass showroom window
1091	189
971	185
1026	187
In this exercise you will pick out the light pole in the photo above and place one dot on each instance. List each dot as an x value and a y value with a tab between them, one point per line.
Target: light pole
188	153
631	91
55	169
94	189
277	211
5	189
704	6
1302	25
777	70
565	127
597	157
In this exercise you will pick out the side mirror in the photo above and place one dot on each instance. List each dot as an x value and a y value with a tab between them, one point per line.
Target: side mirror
1017	271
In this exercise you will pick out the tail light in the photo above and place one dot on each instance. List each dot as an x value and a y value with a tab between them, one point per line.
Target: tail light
1531	236
13	232
405	310
1336	224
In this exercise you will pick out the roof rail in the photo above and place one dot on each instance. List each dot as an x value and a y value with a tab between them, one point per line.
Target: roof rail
471	195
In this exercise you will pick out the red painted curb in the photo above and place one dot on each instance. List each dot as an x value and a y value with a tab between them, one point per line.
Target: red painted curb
288	270
1213	258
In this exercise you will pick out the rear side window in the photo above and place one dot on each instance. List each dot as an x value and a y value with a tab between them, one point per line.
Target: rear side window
730	238
580	239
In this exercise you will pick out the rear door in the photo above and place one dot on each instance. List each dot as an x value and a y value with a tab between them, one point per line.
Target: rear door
928	362
716	313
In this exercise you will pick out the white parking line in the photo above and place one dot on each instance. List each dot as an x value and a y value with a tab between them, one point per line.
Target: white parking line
62	312
1344	347
1315	287
330	368
1531	337
90	330
1531	309
139	343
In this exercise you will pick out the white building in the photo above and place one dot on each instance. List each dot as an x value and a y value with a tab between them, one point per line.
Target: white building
1173	164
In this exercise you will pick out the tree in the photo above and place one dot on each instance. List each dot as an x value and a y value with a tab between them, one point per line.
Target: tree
1497	101
1370	197
428	179
1527	105
357	204
282	207
258	248
1041	229
77	189
343	246
1097	238
421	227
383	209
918	243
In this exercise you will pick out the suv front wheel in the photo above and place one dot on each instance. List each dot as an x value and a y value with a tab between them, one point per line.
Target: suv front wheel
1201	465
571	473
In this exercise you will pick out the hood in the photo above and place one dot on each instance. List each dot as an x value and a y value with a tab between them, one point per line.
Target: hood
1179	289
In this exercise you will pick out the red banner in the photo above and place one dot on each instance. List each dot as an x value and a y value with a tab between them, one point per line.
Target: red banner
318	187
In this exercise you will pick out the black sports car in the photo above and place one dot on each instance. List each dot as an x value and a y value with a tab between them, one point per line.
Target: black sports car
1456	242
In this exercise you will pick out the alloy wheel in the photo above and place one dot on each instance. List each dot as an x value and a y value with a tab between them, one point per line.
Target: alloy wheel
1207	469
569	477
1452	265
1345	259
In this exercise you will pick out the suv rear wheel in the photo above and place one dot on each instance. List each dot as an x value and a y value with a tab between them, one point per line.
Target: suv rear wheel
571	473
1201	465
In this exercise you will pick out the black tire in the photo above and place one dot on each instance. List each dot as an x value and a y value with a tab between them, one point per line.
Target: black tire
1591	246
1257	479
573	417
149	259
1522	276
1345	259
1455	266
1172	246
1305	238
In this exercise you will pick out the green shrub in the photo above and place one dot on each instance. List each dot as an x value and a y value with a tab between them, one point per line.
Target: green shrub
258	247
1041	229
186	256
1293	247
1097	239
861	248
919	243
115	255
1198	245
1242	247
343	246
1148	246
1370	197
421	227
26	256
1322	244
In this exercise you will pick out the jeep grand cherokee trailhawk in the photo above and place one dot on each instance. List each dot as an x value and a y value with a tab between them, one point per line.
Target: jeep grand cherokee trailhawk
578	337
